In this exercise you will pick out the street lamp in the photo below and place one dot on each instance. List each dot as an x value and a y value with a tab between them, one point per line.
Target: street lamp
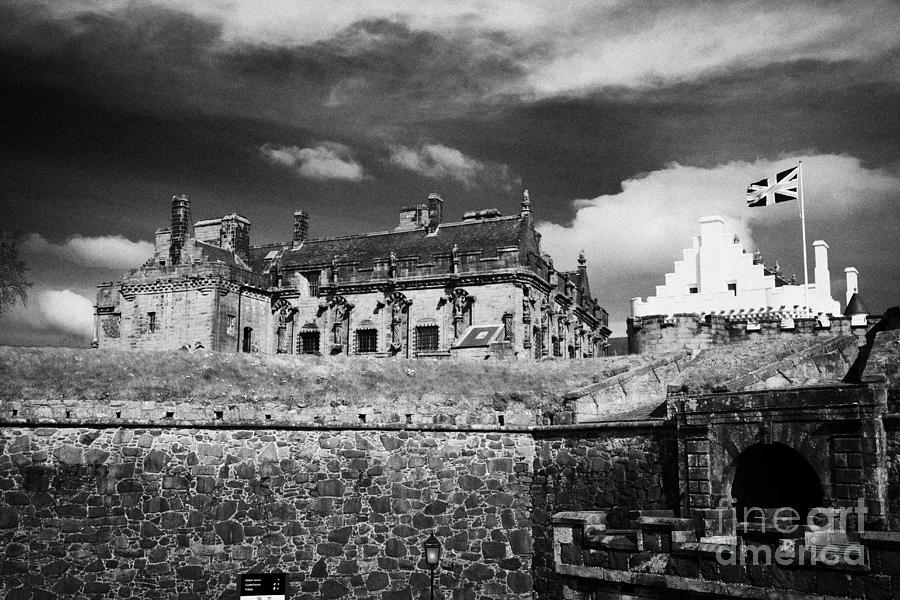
432	557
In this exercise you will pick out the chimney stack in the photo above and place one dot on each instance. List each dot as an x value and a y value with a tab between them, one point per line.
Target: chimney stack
852	282
181	226
435	208
821	273
301	228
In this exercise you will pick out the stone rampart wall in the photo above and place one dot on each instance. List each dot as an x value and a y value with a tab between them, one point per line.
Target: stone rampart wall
616	471
665	333
179	511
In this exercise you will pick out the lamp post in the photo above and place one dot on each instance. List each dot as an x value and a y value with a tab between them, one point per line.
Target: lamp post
432	557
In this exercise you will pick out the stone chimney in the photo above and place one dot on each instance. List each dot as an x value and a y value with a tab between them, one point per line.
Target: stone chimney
435	209
301	228
852	275
182	226
822	274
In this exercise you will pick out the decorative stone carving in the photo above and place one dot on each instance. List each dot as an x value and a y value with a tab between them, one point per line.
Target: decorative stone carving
461	305
399	314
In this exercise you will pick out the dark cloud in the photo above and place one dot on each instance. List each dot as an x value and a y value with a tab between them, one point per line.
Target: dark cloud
111	109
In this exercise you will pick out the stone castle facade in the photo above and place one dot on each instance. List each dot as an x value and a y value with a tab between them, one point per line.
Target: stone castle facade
428	288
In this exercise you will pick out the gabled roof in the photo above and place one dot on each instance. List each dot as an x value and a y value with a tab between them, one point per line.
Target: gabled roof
484	236
855	306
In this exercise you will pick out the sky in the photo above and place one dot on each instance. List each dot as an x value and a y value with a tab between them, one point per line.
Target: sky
626	120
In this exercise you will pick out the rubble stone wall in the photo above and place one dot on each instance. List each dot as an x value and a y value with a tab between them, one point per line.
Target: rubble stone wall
179	512
665	333
616	471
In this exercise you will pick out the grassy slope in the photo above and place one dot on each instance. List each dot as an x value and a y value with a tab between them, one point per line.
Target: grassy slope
720	364
92	375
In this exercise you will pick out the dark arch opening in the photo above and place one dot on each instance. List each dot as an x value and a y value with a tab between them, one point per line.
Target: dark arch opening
775	476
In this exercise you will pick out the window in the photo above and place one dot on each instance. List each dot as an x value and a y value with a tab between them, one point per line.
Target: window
427	338
366	340
248	340
693	290
308	342
732	287
508	327
230	324
151	321
313	278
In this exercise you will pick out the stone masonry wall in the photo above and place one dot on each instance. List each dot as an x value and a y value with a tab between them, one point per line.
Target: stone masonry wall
893	474
166	513
97	510
615	471
661	333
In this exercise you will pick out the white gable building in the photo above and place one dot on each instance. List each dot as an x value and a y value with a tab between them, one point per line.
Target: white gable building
717	275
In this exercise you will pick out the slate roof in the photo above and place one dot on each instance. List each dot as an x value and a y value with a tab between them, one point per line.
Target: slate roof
214	254
856	306
485	235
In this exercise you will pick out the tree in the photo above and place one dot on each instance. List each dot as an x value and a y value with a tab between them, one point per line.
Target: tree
13	285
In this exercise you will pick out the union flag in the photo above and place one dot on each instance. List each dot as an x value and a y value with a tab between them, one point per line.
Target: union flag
780	188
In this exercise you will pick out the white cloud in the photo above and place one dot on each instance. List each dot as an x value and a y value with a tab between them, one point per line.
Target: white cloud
110	251
643	229
62	311
613	46
435	160
328	160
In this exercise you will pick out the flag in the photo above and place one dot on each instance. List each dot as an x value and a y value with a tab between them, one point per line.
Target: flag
780	188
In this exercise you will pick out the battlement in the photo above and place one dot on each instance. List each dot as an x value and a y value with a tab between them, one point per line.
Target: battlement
672	333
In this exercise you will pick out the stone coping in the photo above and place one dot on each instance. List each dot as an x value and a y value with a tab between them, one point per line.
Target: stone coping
688	584
337	426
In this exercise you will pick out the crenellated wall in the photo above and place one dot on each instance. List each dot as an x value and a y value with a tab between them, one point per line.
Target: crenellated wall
663	333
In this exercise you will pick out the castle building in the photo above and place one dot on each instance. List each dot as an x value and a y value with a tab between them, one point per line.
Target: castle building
427	288
718	291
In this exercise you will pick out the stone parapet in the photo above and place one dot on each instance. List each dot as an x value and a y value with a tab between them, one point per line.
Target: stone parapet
673	333
675	556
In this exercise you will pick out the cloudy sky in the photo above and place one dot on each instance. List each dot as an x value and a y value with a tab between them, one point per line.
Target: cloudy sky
626	120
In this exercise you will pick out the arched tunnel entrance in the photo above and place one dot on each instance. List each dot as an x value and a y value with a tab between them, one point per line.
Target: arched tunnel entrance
772	476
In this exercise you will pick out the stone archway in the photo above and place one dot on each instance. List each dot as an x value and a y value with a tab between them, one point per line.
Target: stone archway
772	476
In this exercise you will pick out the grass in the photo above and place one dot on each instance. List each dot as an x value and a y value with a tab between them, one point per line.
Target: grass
719	364
206	377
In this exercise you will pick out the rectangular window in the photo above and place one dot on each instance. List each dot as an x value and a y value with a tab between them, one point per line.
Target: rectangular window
366	341
313	278
230	325
693	290
308	342
151	321
732	287
427	338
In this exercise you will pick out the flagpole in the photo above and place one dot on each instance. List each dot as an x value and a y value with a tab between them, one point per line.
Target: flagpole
803	225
